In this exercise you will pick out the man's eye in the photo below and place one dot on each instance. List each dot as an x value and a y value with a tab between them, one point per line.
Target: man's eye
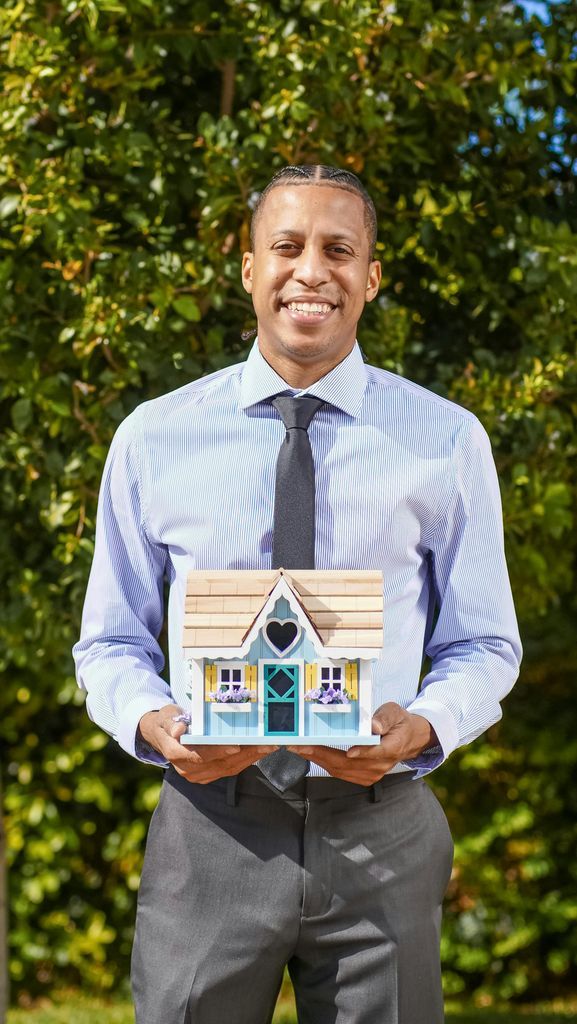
340	250
286	246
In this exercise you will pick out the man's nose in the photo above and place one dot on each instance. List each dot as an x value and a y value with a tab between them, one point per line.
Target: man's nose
312	267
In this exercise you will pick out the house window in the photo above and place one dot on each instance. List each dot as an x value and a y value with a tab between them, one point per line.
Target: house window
332	675
230	677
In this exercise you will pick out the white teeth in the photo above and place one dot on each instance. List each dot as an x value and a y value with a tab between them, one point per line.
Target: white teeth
309	307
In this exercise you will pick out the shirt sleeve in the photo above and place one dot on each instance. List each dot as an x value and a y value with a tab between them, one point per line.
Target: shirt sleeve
474	647
118	657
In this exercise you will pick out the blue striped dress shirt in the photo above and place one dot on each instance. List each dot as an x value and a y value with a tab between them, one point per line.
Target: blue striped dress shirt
405	483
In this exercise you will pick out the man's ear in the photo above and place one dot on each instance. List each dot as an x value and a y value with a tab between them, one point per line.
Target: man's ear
246	271
373	280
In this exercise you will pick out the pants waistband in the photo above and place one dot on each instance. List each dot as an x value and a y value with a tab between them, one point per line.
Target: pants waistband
252	782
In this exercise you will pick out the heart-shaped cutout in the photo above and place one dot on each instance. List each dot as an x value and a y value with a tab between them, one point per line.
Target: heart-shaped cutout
282	634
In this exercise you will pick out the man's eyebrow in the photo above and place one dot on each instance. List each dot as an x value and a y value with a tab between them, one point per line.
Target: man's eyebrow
333	236
286	233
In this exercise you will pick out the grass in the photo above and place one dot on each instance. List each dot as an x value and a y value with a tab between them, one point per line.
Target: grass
73	1008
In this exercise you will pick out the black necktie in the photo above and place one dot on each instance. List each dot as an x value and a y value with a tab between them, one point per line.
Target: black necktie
293	545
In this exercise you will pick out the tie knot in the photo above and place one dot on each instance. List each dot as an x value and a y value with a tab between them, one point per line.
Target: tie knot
296	412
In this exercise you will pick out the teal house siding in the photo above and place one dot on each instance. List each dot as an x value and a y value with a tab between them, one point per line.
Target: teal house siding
338	722
227	723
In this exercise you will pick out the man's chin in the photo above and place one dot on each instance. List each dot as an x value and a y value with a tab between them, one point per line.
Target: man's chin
304	348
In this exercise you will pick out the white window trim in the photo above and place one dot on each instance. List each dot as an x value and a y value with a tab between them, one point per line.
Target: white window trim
229	666
330	663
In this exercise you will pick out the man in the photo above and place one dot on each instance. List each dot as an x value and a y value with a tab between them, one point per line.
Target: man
341	875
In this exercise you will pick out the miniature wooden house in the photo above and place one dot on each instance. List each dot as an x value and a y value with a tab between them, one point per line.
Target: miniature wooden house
282	656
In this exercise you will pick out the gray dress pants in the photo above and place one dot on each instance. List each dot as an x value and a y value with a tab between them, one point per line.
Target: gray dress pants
345	888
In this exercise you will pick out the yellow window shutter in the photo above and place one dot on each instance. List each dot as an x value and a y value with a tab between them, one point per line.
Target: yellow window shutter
251	678
310	677
352	680
209	680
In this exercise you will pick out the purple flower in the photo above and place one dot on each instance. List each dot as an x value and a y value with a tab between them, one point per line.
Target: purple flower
227	696
313	694
327	696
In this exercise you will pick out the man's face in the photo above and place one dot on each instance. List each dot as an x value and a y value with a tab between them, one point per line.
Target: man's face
309	277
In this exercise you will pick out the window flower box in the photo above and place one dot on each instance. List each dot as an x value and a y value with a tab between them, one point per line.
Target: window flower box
228	698
228	707
328	698
323	709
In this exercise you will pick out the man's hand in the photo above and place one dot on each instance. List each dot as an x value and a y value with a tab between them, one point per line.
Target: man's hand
403	736
197	764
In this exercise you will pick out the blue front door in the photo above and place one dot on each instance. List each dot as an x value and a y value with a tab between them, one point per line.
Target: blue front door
281	699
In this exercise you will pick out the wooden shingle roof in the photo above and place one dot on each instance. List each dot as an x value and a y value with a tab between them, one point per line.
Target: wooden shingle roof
345	607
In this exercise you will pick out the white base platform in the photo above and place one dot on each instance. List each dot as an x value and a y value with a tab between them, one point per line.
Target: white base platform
330	740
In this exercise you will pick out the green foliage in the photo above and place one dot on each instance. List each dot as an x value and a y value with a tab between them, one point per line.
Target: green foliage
133	138
77	1010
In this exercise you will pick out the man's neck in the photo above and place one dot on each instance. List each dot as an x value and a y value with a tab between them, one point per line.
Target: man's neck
300	376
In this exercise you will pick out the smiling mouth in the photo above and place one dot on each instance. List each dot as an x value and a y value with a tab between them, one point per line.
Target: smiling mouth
309	309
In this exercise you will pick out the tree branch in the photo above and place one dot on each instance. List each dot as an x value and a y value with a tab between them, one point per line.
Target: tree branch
227	89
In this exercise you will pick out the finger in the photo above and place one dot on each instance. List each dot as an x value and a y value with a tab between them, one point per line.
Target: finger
305	752
173	728
243	758
217	756
386	717
363	773
215	752
259	752
178	753
213	769
261	749
368	752
171	748
171	720
252	757
326	757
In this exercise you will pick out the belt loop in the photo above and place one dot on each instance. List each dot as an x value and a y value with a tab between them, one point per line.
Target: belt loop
376	791
231	793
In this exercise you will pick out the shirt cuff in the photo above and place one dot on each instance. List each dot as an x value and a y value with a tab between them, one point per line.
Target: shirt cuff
445	728
128	736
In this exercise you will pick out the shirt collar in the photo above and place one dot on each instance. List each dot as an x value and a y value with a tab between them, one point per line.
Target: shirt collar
343	387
